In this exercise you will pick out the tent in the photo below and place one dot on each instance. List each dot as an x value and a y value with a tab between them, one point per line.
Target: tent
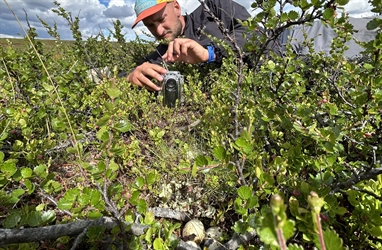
323	36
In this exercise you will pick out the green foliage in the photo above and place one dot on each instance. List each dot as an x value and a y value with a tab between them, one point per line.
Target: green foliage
290	148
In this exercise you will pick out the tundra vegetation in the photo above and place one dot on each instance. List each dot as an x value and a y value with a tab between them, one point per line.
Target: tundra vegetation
284	155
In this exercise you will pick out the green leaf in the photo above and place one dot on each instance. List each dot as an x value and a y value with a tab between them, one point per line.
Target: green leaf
48	216
328	14
1	156
9	168
103	120
151	178
295	247
12	220
220	153
284	17
239	207
293	15
103	134
29	185
34	219
95	197
93	215
268	236
58	124
149	234
332	240
373	24
342	2
123	126
3	136
159	244
240	227
83	200
18	192
376	231
26	173
252	202
139	182
288	229
149	218
113	92
244	192
40	171
368	66
141	206
201	161
64	204
341	210
113	166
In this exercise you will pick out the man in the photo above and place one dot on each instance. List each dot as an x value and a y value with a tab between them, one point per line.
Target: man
185	35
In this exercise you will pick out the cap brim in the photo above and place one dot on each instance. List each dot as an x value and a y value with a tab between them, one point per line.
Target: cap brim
148	12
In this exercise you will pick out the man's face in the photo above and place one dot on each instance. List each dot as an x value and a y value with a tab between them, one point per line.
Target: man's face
165	24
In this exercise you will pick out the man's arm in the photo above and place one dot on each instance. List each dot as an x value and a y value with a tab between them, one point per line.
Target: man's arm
148	69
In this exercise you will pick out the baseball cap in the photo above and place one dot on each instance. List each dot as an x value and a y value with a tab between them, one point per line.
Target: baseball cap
145	8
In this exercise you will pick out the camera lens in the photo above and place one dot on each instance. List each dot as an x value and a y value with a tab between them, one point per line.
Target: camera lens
171	84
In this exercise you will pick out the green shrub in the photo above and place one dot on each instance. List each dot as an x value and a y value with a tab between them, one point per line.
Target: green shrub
288	151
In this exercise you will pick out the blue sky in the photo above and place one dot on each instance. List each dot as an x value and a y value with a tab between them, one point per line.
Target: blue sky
104	2
97	15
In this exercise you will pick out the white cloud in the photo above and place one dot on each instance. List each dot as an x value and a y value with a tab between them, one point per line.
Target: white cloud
358	8
95	17
117	3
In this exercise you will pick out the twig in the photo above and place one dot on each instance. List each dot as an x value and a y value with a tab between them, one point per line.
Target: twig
46	196
80	237
111	207
190	126
370	173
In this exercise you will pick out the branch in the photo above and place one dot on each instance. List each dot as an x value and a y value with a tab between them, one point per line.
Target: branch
357	178
170	214
9	236
237	240
49	198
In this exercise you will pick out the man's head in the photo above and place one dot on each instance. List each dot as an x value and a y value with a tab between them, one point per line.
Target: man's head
162	17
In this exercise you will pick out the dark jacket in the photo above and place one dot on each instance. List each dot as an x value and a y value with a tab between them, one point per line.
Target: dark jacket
199	23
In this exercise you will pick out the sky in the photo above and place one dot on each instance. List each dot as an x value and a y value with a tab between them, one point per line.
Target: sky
98	15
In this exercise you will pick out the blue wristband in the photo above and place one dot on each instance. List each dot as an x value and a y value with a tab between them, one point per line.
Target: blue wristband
211	53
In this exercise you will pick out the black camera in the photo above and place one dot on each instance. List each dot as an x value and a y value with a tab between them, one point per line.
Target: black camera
172	88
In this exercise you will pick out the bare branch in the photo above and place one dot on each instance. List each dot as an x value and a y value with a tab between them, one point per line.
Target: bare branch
49	198
237	240
9	236
357	178
170	214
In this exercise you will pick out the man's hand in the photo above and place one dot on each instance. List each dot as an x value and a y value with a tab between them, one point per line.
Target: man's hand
143	73
185	50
